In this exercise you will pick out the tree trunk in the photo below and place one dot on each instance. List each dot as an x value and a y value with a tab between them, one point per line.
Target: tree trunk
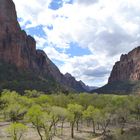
41	137
88	123
62	128
93	126
122	128
72	130
77	125
15	135
105	126
54	128
98	126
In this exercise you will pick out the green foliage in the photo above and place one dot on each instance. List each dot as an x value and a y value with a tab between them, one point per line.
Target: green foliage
32	93
35	115
120	88
133	134
75	111
41	121
92	113
21	80
16	130
14	105
49	113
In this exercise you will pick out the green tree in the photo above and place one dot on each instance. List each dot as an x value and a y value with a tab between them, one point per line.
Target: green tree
41	120
58	114
75	112
32	93
92	114
35	115
16	130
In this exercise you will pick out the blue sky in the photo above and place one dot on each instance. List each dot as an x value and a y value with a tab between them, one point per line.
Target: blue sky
82	37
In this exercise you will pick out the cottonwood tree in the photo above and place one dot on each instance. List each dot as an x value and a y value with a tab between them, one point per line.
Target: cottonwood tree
16	130
136	106
92	114
35	115
14	107
58	114
75	112
123	108
41	121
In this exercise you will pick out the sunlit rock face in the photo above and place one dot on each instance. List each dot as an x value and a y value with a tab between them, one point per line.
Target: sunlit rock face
128	68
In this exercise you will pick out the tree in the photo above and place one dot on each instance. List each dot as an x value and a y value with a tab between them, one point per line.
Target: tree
15	112
136	106
58	114
14	108
123	107
92	114
105	119
16	130
34	115
41	121
75	112
32	93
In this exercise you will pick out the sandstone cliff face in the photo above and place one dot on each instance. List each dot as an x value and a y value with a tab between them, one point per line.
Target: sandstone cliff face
18	48
15	45
128	68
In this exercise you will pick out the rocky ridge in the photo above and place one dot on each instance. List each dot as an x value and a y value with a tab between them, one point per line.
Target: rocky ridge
128	68
19	49
125	75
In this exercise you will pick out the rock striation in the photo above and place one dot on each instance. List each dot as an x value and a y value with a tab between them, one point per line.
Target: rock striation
19	49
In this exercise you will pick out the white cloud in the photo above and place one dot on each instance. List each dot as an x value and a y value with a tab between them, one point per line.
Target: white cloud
54	54
87	2
106	27
40	41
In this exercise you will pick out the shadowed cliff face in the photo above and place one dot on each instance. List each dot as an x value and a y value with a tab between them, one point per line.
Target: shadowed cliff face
128	68
15	46
8	17
18	48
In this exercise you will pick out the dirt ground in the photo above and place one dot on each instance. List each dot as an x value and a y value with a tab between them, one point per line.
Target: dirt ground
84	133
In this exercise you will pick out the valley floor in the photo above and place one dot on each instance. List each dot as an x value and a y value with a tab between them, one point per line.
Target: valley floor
84	133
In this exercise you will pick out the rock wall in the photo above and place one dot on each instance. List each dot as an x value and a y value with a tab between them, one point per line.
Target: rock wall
128	68
18	48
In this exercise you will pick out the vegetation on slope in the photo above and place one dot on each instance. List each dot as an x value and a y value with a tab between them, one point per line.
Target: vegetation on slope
20	80
120	88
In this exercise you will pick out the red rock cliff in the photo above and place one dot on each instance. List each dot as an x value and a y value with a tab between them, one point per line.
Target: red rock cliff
18	48
128	68
15	45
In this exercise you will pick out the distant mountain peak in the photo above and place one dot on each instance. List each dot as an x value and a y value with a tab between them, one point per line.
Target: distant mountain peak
68	75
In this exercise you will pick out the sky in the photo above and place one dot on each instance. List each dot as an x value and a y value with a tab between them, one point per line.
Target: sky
82	37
